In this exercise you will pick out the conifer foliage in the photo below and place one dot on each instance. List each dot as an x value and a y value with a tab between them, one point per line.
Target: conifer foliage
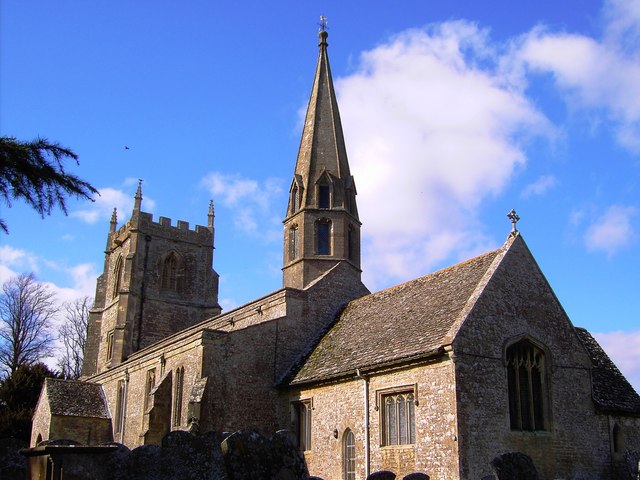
34	172
19	393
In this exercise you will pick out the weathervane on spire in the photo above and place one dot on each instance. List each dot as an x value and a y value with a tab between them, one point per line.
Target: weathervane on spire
323	23
514	217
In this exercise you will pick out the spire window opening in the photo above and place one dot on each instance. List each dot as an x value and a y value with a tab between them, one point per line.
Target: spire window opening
295	199
324	196
294	242
351	243
323	237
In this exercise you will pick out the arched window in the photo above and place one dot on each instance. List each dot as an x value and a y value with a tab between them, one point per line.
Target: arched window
117	277
526	380
349	455
177	396
171	274
294	239
323	237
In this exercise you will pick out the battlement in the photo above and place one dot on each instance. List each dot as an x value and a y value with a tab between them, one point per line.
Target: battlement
143	222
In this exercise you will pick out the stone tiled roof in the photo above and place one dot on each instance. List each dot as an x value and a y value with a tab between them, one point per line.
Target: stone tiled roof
395	325
611	391
75	398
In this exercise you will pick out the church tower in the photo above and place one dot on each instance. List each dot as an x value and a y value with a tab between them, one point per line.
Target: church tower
158	279
321	227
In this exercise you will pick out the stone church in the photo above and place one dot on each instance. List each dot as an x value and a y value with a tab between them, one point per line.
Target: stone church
438	375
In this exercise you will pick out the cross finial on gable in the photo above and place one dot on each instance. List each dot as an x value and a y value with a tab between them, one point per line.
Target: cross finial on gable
514	217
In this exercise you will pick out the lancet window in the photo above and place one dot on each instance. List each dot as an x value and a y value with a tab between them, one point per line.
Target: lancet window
177	396
323	237
294	239
117	277
171	272
349	455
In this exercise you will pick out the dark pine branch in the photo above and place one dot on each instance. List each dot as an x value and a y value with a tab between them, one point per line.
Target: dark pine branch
34	172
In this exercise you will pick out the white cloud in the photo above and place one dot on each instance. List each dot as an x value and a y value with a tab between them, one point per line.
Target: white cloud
111	198
540	186
13	261
624	350
431	120
612	231
252	201
602	76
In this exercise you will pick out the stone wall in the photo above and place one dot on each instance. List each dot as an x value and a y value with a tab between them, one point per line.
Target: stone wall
339	406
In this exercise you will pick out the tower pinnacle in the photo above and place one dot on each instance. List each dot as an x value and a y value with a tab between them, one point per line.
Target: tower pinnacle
138	197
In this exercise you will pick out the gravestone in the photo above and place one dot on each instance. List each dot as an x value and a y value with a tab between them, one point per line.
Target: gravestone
514	466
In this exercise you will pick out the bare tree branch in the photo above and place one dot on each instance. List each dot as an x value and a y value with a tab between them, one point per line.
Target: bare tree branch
73	334
27	309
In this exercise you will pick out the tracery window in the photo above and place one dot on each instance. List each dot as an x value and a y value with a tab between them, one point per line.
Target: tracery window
302	412
117	277
323	237
294	239
177	396
171	277
526	383
398	418
349	455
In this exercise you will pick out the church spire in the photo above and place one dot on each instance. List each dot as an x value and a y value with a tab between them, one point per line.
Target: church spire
321	225
322	147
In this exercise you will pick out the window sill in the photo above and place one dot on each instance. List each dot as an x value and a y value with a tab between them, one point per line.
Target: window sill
405	446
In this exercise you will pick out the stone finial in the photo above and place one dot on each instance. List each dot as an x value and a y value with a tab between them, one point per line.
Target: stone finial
514	217
211	214
114	220
138	196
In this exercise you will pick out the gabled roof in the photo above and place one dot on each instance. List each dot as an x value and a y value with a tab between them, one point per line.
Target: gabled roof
611	391
409	321
75	398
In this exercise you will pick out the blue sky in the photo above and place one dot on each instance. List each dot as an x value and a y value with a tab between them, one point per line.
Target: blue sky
454	113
